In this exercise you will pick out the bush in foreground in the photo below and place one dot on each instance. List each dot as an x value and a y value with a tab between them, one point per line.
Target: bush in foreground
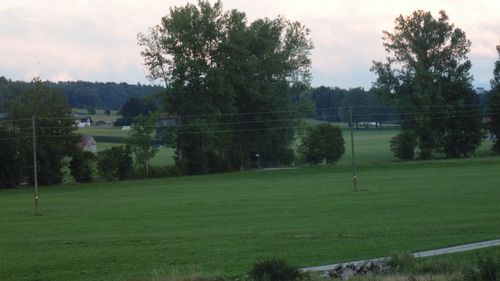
275	270
487	269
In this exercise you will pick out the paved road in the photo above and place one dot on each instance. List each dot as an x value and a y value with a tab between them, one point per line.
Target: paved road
449	250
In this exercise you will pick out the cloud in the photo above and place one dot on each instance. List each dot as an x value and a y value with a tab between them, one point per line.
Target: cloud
96	40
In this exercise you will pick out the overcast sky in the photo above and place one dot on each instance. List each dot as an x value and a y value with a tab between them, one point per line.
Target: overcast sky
96	40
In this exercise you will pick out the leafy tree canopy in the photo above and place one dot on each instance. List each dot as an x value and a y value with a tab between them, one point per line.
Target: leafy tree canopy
323	142
231	84
494	104
427	75
54	129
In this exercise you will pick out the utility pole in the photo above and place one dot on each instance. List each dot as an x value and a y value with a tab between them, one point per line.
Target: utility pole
354	179
35	175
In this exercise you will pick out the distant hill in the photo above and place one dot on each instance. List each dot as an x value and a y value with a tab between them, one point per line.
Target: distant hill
82	94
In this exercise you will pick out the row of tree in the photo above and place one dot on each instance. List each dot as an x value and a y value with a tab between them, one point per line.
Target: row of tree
40	121
248	80
238	90
81	94
335	104
368	106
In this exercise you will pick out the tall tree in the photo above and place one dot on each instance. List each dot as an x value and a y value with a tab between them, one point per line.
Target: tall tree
230	84
494	104
54	129
427	75
140	138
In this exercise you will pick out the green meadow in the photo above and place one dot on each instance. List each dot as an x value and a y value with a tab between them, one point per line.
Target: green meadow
371	145
224	223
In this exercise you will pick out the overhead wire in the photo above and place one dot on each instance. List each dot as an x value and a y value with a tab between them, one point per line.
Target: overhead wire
436	115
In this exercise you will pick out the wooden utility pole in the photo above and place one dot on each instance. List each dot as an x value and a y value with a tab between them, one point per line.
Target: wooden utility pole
354	179
35	173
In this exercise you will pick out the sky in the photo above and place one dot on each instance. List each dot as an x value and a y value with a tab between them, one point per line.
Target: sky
96	40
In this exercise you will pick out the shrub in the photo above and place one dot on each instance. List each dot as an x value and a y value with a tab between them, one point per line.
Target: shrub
81	166
9	164
496	146
488	268
322	143
115	163
403	145
275	270
186	274
402	262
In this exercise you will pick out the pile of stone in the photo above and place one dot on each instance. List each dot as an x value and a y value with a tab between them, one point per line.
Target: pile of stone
344	271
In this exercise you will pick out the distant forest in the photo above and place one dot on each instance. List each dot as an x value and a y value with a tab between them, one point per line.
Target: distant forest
331	103
81	94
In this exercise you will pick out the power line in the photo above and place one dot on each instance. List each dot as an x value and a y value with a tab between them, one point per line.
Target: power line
181	126
258	113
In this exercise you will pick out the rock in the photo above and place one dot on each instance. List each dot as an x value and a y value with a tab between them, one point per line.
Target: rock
359	267
334	274
369	268
348	273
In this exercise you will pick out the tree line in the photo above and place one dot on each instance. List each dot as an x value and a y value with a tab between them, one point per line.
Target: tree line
337	105
237	90
40	123
81	94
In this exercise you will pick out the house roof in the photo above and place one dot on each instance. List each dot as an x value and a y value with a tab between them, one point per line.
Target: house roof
86	140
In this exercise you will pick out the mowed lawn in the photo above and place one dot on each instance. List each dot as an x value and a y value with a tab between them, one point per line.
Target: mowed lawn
310	216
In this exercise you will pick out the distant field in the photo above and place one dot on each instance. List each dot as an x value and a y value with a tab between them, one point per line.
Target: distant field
310	216
164	156
82	113
371	145
104	132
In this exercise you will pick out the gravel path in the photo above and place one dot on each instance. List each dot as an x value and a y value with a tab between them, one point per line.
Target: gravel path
448	250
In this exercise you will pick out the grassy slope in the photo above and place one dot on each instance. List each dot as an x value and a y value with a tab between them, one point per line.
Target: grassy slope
225	222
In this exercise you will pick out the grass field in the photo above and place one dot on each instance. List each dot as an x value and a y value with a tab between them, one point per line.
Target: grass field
104	132
310	216
164	156
100	115
371	146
